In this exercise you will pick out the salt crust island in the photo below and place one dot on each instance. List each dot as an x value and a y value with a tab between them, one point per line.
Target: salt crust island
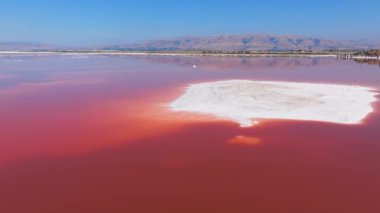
246	101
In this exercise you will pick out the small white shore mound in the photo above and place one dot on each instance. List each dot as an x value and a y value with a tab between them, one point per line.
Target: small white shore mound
244	101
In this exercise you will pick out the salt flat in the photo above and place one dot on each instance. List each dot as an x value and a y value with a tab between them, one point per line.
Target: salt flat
246	102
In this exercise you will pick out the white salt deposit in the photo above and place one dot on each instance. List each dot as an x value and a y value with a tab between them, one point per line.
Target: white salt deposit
243	101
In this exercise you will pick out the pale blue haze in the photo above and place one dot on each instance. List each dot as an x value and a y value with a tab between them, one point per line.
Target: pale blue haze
99	22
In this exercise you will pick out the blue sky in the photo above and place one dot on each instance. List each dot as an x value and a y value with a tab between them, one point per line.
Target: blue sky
99	22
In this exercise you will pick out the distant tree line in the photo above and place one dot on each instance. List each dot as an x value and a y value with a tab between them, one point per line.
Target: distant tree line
375	53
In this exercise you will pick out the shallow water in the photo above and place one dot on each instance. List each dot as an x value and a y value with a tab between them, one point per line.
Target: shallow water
94	134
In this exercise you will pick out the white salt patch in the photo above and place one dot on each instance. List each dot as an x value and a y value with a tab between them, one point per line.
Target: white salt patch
243	101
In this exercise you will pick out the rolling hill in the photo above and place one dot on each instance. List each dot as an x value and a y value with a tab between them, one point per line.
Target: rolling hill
246	43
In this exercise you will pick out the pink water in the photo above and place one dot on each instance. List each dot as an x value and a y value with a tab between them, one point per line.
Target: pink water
95	135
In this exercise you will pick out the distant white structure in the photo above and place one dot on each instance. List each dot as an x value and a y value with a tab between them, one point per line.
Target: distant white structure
243	101
194	66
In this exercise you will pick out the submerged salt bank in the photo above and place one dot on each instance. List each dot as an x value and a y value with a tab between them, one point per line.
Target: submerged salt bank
244	101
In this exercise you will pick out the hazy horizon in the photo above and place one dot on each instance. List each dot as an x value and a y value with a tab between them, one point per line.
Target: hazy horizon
100	22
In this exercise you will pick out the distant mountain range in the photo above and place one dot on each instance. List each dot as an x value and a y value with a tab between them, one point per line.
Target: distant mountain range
247	43
25	46
252	42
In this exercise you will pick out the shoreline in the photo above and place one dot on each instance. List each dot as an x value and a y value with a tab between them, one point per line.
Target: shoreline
168	54
199	54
